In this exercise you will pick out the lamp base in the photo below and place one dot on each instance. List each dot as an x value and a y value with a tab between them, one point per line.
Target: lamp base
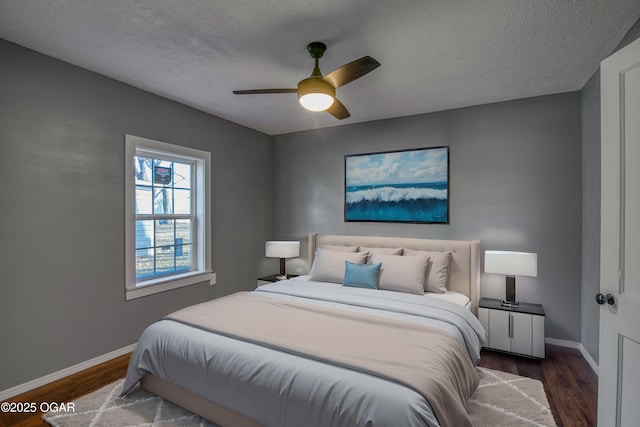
510	303
510	293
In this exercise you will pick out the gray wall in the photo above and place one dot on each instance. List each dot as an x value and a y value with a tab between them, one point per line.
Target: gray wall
515	184
62	204
590	104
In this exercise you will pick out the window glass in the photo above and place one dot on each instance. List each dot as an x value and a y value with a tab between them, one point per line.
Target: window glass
163	189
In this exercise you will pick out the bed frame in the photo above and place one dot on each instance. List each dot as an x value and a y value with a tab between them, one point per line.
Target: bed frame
464	277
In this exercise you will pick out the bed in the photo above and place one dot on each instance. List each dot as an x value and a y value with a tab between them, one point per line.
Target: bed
312	351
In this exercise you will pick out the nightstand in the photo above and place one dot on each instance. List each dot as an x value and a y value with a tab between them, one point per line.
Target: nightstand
518	330
272	278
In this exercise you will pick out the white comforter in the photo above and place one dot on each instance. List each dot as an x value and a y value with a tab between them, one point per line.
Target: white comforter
276	388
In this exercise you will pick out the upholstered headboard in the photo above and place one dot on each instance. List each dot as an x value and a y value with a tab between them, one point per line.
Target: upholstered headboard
464	276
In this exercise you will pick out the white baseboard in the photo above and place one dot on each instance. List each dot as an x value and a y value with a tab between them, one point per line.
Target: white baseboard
30	385
579	346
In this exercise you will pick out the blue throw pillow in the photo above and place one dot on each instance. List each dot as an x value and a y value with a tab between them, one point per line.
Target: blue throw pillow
362	275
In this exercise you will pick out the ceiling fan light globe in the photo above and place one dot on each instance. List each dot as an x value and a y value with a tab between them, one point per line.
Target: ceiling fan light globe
316	101
315	94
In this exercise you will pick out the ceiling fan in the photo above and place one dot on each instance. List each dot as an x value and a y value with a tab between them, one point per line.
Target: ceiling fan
318	93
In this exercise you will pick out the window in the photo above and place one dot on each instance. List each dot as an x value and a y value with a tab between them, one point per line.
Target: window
167	218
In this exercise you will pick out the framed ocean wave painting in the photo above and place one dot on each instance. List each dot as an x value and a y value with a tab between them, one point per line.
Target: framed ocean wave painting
398	186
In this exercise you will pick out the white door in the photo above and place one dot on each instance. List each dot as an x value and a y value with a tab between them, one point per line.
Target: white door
619	370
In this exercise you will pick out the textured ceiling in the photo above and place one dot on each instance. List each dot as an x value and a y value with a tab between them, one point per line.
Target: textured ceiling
435	54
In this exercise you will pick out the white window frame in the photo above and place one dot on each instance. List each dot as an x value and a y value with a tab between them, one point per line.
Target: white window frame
201	249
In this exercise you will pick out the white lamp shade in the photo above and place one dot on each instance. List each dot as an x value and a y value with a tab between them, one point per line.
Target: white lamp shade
282	249
511	263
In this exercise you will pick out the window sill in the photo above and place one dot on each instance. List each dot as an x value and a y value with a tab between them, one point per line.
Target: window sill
154	286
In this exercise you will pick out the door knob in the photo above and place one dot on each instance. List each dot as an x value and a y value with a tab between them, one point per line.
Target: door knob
608	298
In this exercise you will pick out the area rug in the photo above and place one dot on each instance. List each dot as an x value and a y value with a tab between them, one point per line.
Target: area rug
506	400
501	400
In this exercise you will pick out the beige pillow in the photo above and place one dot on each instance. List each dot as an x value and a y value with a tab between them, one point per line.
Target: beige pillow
439	267
339	248
329	266
403	274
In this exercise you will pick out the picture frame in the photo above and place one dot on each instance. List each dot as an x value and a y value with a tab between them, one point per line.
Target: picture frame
410	186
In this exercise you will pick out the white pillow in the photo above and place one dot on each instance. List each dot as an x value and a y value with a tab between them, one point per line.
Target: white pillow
329	266
439	267
400	273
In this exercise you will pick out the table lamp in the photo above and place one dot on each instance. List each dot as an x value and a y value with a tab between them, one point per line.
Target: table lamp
511	264
282	249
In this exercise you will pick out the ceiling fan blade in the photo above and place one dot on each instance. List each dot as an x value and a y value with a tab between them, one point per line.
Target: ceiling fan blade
351	71
338	110
258	91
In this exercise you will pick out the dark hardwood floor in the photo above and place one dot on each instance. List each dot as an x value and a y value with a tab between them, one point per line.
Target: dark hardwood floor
570	384
66	390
